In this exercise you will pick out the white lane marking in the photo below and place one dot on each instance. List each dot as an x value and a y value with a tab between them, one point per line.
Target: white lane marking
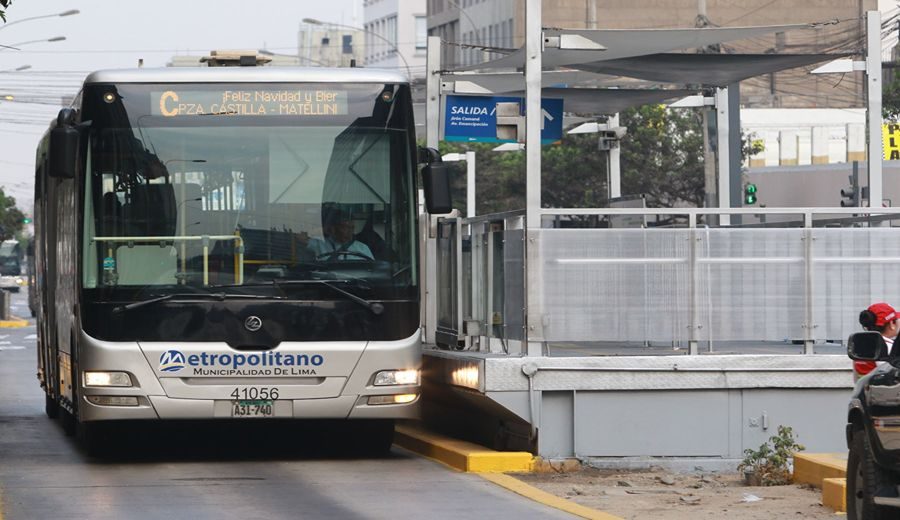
4	336
12	348
30	336
5	342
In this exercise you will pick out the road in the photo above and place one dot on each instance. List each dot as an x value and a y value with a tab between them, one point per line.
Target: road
198	472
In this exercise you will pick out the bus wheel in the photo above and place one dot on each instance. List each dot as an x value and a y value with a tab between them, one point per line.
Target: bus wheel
51	406
376	438
68	422
93	437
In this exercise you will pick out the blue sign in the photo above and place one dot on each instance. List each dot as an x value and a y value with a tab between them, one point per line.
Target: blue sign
474	119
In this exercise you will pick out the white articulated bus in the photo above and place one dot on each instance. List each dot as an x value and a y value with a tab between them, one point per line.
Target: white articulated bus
231	242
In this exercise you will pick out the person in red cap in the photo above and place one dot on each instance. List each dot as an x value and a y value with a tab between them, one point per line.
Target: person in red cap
879	317
883	318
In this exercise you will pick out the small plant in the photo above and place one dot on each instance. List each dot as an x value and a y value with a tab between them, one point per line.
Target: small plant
768	466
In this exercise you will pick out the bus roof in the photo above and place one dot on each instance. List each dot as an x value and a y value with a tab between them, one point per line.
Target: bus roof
246	75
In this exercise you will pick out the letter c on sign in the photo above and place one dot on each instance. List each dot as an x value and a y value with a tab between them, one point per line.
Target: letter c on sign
168	95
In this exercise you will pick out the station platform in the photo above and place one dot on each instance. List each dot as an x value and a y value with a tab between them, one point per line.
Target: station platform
636	411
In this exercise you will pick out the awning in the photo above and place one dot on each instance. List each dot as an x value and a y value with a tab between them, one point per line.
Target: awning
716	70
606	101
626	43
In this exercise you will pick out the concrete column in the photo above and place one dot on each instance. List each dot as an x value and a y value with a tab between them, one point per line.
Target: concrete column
819	145
856	142
789	147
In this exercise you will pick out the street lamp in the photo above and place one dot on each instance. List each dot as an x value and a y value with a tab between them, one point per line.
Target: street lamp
313	21
469	157
46	40
70	12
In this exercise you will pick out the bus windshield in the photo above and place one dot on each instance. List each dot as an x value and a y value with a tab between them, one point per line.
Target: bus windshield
245	188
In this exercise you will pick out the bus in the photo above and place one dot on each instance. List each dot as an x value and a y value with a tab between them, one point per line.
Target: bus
232	243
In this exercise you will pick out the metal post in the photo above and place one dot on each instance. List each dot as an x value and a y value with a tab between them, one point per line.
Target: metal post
808	339
432	138
734	149
615	172
693	318
534	46
722	152
433	92
470	184
873	107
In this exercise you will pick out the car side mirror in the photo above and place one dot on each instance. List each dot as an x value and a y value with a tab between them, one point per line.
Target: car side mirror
435	182
867	346
64	146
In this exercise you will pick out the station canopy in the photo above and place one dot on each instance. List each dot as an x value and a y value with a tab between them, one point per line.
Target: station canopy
616	69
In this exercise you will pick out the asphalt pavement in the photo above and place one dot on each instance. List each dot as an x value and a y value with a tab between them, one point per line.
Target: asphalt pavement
216	471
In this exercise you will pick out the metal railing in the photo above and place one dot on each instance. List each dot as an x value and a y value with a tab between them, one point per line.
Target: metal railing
205	241
690	284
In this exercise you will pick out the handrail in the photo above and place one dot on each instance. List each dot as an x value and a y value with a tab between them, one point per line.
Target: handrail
239	249
719	211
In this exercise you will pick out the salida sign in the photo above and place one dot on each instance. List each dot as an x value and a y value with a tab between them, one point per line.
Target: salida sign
474	118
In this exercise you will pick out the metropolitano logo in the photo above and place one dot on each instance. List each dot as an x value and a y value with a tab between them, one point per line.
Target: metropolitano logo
171	361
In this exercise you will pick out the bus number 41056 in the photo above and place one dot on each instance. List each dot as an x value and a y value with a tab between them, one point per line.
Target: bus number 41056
253	393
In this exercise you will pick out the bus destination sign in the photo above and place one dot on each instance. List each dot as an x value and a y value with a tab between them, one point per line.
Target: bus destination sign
237	102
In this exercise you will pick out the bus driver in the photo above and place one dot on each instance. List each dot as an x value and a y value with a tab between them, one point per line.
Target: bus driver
338	241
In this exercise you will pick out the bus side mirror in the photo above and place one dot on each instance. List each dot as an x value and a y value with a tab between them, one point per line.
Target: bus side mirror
867	346
436	183
64	146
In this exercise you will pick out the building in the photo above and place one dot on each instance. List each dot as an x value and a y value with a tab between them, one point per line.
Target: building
396	35
330	45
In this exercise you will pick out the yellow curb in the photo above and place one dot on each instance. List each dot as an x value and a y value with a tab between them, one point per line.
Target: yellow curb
813	468
517	486
834	494
461	455
13	323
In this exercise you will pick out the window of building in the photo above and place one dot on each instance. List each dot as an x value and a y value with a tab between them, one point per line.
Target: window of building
347	44
421	33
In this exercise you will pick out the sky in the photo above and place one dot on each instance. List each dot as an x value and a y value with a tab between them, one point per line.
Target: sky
107	34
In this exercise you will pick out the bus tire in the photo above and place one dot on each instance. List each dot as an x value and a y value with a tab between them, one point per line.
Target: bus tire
67	420
93	437
51	406
378	437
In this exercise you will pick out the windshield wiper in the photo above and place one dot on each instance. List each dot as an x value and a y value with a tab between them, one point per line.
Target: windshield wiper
211	296
375	307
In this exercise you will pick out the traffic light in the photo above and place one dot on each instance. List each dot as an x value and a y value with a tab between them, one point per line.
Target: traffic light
750	194
849	197
26	220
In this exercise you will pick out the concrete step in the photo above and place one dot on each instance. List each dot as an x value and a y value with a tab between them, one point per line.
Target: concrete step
826	471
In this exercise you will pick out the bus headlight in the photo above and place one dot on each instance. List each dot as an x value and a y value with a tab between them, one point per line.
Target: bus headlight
397	377
392	399
107	379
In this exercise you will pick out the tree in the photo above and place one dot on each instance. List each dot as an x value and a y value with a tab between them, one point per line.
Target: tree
890	108
661	156
11	218
5	4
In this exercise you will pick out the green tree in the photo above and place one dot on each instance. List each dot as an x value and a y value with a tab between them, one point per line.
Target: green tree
10	217
662	156
890	107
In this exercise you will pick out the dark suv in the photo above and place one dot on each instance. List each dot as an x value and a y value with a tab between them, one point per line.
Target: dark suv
873	432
